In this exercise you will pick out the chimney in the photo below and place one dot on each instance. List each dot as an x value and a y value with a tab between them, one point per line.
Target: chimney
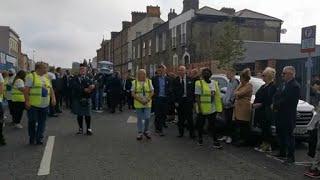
229	11
126	24
190	4
114	34
172	14
137	16
153	11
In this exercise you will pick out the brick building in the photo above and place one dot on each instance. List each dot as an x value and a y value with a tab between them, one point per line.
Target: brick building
119	48
190	37
10	44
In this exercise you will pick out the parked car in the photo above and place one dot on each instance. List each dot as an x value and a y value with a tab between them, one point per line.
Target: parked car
306	114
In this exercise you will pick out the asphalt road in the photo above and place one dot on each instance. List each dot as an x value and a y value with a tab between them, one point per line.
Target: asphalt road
113	153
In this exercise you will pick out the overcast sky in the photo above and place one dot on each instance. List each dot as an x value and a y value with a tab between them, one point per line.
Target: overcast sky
63	31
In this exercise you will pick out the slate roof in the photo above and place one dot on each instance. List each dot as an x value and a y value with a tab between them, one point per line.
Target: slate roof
247	13
211	11
256	50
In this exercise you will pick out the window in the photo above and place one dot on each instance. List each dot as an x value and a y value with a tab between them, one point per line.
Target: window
144	49
139	50
164	36
175	60
157	43
134	52
149	48
183	33
174	37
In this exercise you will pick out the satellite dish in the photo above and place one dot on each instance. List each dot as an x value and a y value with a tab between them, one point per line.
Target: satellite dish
283	31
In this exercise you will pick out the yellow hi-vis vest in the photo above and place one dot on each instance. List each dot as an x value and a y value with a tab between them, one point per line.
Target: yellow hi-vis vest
35	95
139	89
205	98
17	95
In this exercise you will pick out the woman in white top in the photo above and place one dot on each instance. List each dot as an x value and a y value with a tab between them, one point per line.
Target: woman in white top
18	101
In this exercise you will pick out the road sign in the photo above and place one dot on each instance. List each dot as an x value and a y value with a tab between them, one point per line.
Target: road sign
308	39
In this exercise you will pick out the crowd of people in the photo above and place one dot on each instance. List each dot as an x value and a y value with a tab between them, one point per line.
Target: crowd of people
193	96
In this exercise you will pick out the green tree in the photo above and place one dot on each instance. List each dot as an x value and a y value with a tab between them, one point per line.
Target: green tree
229	47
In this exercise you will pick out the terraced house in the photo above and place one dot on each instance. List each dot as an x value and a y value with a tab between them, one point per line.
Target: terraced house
191	36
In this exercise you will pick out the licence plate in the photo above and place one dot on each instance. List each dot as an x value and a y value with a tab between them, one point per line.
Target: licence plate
300	131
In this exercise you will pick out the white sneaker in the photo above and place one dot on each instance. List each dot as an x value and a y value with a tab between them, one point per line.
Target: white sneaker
18	126
229	140
224	138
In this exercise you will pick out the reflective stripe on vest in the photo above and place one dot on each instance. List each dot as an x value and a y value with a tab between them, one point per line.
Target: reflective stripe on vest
205	97
36	90
17	95
139	89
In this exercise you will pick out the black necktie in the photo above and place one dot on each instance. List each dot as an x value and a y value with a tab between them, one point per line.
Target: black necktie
182	83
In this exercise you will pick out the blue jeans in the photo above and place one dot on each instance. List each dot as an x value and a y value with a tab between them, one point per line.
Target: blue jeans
37	123
143	114
97	98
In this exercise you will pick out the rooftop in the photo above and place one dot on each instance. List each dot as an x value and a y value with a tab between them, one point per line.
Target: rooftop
274	50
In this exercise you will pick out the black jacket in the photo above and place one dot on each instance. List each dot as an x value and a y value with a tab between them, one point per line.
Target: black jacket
168	86
178	89
285	103
78	85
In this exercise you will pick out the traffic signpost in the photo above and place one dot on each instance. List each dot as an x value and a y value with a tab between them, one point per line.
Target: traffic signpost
308	45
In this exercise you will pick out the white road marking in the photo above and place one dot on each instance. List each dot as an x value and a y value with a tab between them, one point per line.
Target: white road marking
132	119
44	168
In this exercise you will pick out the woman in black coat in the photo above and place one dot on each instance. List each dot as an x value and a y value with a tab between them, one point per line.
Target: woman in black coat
263	110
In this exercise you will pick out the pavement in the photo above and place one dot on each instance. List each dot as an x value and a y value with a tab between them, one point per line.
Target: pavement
113	153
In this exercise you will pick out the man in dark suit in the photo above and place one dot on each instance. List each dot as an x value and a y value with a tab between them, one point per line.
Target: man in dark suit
127	84
183	89
162	93
285	106
115	88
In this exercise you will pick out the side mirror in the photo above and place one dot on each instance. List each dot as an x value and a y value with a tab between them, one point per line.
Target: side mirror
223	90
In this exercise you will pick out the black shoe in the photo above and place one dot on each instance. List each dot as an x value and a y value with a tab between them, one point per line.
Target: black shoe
112	112
59	111
180	136
120	110
139	137
280	156
2	142
217	145
39	142
161	134
80	132
200	142
89	132
165	126
147	135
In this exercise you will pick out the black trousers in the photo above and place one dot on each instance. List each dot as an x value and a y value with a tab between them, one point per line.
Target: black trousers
129	100
87	119
286	141
116	101
185	113
10	107
59	99
201	121
243	131
229	129
161	111
68	99
266	125
1	132
18	108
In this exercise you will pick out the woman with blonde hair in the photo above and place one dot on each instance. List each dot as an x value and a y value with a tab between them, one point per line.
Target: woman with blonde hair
142	92
242	109
262	105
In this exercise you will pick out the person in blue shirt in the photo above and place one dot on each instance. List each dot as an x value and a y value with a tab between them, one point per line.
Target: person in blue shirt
162	93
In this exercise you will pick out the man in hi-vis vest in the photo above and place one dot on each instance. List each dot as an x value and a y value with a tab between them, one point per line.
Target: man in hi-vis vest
208	104
37	99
